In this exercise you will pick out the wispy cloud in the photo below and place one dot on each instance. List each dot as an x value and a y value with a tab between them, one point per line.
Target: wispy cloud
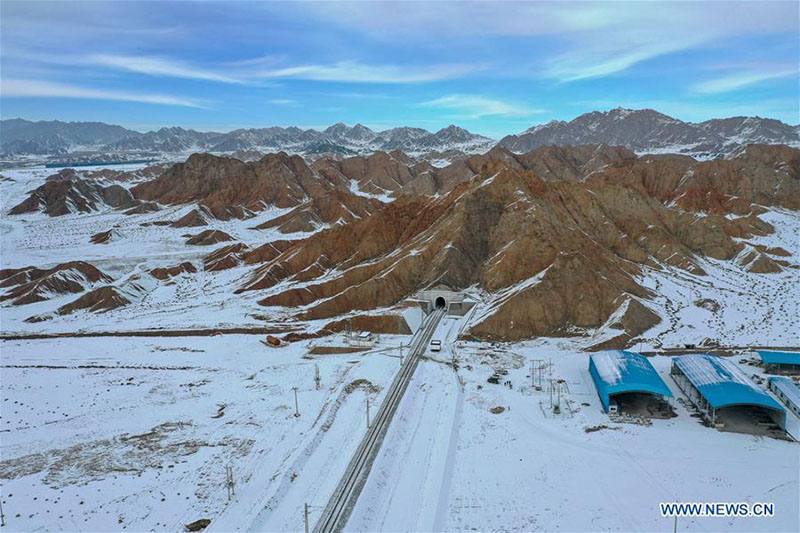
283	101
161	66
355	72
595	39
739	80
25	88
597	63
251	71
475	106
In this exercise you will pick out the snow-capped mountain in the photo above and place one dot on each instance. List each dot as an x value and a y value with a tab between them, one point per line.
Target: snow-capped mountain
643	131
647	130
173	139
21	137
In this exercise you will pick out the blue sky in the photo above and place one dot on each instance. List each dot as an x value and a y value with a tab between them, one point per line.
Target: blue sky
494	68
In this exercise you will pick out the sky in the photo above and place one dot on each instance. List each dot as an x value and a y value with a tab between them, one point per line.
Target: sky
492	67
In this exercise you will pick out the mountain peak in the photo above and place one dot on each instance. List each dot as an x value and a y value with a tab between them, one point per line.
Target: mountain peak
648	131
339	126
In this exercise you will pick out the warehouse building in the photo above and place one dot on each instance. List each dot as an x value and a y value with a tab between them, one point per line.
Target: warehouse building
780	361
726	396
787	392
627	382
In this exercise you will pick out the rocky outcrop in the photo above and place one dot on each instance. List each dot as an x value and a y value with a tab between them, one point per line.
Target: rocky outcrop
338	207
30	284
631	318
226	257
170	272
104	237
384	323
230	188
754	261
193	219
66	193
98	300
757	174
378	174
142	208
209	237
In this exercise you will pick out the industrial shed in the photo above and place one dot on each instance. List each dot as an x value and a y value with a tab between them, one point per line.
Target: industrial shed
787	391
725	395
621	375
774	360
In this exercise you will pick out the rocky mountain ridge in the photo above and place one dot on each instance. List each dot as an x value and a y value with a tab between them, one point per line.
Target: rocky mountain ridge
648	131
556	240
550	254
22	137
642	130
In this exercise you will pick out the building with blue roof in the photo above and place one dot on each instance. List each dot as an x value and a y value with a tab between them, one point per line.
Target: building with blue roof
787	391
617	372
715	383
775	359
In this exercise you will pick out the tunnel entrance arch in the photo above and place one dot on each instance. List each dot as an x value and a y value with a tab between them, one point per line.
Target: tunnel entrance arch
440	296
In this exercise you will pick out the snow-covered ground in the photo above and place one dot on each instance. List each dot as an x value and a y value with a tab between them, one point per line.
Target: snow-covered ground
754	309
135	433
448	463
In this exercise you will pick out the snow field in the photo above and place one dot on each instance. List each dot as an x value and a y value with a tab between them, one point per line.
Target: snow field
102	434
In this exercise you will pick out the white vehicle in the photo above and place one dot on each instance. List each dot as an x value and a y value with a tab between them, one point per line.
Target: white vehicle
436	346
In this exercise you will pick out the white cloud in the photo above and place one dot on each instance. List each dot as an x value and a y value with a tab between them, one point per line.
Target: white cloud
740	79
475	106
283	101
24	88
598	63
595	39
251	71
355	72
160	66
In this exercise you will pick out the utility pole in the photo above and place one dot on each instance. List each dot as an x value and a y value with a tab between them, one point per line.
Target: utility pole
296	406
316	375
675	525
367	410
305	517
229	481
532	373
401	354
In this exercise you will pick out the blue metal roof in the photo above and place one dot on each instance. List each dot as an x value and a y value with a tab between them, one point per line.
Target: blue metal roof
617	372
771	357
722	383
789	388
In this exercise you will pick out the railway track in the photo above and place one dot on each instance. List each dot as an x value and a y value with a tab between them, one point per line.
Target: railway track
341	503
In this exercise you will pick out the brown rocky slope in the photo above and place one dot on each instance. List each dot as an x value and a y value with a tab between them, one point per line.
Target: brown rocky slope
30	284
552	254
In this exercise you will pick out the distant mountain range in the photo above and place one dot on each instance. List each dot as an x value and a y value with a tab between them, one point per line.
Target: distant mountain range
23	137
643	131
